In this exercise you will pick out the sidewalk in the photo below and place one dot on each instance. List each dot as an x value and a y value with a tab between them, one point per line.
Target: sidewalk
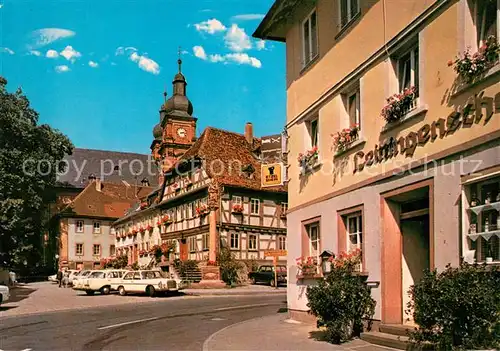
240	290
276	333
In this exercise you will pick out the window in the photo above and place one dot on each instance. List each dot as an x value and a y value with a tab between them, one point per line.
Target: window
193	209
312	127
192	244
352	104
187	207
486	19
314	240
97	227
112	250
205	242
79	250
355	233
255	206
408	72
235	241
237	200
348	10
96	251
181	212
284	208
281	242
79	226
252	242
310	38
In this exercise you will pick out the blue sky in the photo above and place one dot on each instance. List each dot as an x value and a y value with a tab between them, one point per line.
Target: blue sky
96	70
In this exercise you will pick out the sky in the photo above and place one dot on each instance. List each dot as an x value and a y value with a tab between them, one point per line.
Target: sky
96	69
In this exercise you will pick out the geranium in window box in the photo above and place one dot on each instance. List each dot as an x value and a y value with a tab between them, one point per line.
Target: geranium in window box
308	159
166	219
202	210
342	139
307	266
470	66
399	105
237	209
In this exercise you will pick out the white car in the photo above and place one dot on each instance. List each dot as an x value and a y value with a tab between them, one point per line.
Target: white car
100	281
78	278
147	281
53	278
4	293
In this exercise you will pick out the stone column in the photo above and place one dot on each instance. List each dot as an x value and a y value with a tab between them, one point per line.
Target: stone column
213	237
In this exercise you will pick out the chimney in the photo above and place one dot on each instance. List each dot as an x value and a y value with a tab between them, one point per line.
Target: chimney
98	184
249	133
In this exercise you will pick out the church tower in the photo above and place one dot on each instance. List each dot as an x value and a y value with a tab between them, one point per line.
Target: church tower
176	132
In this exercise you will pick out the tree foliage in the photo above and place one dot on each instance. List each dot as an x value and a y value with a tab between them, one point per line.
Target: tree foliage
229	266
30	156
458	308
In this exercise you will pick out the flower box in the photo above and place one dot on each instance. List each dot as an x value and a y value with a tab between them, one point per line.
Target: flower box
399	105
202	210
307	266
237	209
343	139
308	160
469	66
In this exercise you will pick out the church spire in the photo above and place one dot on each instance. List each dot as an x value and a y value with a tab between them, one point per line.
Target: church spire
179	79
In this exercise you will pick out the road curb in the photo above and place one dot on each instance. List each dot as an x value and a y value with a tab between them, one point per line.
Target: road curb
235	294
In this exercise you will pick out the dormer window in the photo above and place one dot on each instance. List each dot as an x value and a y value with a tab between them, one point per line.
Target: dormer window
248	171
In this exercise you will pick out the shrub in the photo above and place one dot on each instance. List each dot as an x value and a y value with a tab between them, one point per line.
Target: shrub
458	308
229	267
342	300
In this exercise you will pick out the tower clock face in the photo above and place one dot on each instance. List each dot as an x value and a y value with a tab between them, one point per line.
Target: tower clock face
181	132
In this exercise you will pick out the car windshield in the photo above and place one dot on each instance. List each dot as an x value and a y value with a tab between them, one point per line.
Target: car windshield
151	275
97	275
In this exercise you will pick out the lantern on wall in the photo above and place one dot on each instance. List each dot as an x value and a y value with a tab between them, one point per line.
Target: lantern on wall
326	263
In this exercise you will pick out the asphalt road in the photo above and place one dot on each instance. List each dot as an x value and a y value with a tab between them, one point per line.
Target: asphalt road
163	324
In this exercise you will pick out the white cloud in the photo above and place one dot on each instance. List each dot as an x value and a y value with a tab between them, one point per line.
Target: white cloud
70	54
7	50
122	50
216	58
237	40
35	53
199	52
244	59
260	45
211	26
46	36
62	69
1	5
248	17
93	64
145	63
52	54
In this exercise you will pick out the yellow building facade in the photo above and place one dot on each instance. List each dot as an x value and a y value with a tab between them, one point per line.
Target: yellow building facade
413	182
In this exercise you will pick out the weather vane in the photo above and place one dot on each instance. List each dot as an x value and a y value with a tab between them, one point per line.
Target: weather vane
179	61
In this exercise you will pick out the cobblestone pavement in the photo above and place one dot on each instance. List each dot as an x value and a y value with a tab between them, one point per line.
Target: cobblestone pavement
46	297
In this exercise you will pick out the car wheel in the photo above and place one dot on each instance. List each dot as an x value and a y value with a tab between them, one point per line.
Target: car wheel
89	292
150	291
254	281
121	291
105	290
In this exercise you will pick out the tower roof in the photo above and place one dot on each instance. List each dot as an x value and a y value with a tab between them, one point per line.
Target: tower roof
178	103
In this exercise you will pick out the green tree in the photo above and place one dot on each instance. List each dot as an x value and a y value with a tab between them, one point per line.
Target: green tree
30	156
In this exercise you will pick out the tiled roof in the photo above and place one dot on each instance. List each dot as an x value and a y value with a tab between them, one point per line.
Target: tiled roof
222	151
112	201
100	163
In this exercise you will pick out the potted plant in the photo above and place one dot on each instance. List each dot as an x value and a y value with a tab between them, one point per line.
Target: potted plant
342	139
308	160
237	209
308	266
470	66
399	104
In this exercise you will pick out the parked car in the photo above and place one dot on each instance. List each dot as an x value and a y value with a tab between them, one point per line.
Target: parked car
265	274
77	279
53	278
147	281
4	293
100	281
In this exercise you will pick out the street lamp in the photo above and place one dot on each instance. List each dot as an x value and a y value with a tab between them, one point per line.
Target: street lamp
326	264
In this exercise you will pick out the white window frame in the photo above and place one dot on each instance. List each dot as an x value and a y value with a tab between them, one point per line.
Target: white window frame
281	242
192	244
313	133
96	229
255	246
255	205
234	238
93	250
205	242
309	57
284	207
78	252
479	37
317	241
237	200
78	228
414	68
357	118
350	15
